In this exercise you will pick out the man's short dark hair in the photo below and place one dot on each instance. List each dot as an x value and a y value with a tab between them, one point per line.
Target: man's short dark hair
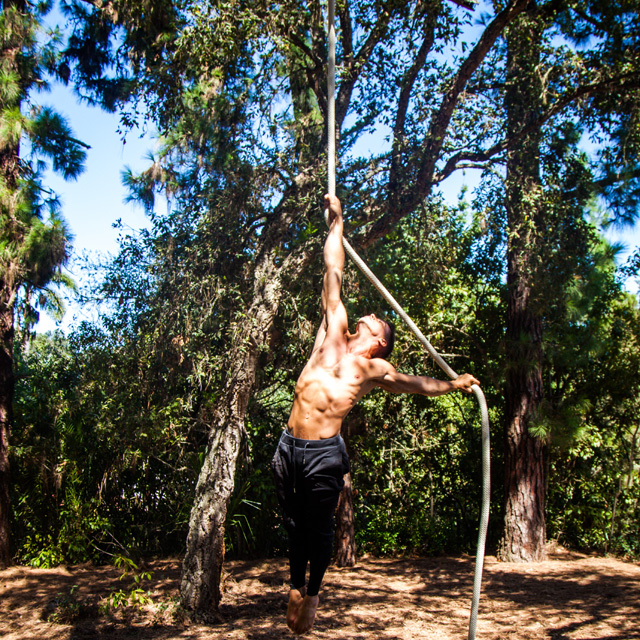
390	337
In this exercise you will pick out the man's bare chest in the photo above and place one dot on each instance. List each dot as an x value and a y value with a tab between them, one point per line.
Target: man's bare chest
344	377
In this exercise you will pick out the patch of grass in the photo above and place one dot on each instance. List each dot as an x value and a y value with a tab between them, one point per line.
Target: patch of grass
132	599
68	608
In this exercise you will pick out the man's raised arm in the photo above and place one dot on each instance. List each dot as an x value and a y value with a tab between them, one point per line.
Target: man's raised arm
333	258
333	311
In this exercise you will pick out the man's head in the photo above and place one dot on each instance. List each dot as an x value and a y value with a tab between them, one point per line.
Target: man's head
390	337
380	333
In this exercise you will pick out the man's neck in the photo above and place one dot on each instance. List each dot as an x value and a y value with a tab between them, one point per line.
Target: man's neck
357	347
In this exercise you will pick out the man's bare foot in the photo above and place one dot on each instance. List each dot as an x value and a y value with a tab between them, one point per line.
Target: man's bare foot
295	602
306	615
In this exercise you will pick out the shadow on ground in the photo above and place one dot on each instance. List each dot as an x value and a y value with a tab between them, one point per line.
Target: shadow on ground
394	599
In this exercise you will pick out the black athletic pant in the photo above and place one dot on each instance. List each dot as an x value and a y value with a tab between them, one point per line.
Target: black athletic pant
309	479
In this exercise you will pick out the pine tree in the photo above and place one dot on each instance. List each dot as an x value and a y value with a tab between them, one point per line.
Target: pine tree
34	239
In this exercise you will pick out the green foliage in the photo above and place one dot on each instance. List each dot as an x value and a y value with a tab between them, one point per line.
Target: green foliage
113	422
171	609
593	499
238	527
416	461
34	239
135	597
92	471
97	414
68	608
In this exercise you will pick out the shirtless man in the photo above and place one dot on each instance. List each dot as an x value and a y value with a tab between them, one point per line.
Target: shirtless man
311	459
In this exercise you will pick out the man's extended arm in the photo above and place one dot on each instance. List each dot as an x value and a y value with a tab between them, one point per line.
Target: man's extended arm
396	382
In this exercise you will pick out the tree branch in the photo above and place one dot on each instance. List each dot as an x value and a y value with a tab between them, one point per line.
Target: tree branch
470	6
405	197
610	180
441	119
455	162
408	82
297	41
344	16
105	6
621	83
98	4
313	72
355	66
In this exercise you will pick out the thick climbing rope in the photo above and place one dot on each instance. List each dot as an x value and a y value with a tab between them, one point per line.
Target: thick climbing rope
486	476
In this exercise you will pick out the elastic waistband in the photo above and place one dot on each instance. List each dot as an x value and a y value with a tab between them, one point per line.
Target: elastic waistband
300	443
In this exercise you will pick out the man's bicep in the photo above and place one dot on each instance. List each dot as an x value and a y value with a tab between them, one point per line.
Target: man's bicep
397	382
333	328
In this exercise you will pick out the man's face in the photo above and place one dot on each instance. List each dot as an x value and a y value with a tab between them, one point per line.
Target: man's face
372	325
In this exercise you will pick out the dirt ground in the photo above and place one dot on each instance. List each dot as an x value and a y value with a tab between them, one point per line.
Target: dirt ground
569	596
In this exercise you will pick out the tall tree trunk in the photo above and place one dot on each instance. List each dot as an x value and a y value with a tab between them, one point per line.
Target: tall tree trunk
345	539
9	170
524	521
6	404
202	565
345	530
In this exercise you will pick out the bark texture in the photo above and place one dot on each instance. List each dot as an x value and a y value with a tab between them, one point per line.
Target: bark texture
202	566
6	403
524	522
345	538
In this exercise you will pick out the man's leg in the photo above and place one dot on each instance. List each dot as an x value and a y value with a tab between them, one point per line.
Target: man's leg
298	555
320	536
298	558
323	486
284	471
320	531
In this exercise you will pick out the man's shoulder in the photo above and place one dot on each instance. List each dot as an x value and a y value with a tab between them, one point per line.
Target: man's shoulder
376	367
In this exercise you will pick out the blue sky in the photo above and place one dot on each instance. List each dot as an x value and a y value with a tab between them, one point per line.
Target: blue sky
92	204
